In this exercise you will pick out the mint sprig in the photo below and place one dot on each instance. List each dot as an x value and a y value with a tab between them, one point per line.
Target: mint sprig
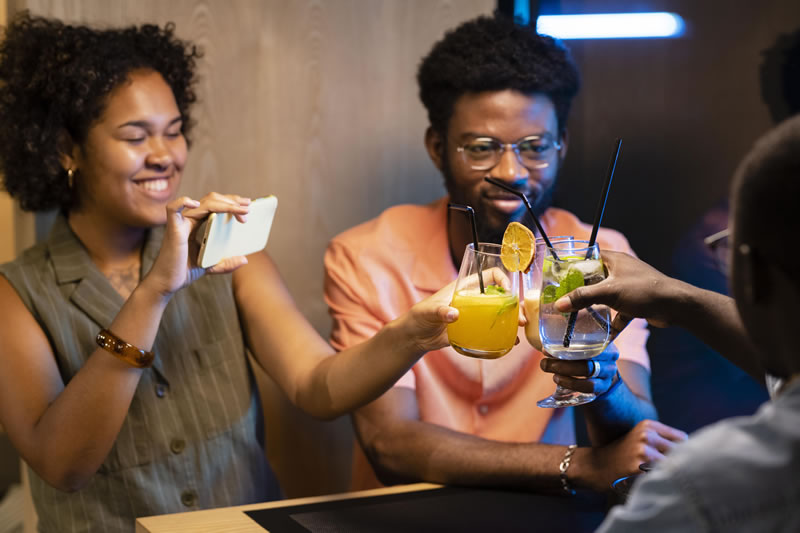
495	290
505	307
572	281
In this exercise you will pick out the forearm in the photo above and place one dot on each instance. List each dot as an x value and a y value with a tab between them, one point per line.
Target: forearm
714	319
614	414
419	451
77	430
359	374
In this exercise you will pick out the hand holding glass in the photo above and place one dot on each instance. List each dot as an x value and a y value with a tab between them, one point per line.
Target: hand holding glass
563	336
486	296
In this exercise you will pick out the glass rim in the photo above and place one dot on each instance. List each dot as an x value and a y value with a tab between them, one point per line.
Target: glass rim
557	238
557	248
579	241
471	248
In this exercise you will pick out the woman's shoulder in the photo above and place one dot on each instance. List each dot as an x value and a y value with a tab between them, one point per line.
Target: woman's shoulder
27	274
31	259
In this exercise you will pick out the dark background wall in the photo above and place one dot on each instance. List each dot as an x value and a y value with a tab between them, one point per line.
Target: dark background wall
687	110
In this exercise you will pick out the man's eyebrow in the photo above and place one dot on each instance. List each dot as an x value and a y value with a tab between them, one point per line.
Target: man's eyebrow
473	135
144	124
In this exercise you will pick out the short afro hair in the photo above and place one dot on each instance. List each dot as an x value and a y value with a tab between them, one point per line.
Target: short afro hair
765	191
55	78
495	54
780	76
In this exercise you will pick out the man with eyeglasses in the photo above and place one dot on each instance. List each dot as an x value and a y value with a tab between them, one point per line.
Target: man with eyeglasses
498	96
740	474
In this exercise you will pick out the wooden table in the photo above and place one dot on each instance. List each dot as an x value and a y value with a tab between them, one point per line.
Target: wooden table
419	507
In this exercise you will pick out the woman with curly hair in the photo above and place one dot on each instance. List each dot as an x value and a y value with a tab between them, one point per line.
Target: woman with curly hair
125	382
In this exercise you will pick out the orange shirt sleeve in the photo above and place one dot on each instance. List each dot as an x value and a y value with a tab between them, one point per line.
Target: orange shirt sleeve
350	295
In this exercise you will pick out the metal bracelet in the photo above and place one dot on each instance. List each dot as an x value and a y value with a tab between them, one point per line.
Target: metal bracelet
562	468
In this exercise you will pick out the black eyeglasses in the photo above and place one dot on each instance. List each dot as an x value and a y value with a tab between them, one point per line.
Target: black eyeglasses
533	152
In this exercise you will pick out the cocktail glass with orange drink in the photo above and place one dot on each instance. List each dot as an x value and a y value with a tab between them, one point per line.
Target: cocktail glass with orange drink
486	296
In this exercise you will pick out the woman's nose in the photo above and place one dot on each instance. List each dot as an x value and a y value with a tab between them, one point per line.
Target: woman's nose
159	155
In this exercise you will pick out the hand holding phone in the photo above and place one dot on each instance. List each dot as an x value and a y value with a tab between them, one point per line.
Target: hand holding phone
224	236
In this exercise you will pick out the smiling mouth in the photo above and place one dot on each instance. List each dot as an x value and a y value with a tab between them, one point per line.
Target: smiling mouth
504	198
153	185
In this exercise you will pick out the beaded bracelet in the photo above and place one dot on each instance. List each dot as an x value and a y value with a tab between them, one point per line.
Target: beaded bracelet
129	353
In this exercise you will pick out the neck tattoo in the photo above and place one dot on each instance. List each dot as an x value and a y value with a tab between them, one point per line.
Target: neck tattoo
124	279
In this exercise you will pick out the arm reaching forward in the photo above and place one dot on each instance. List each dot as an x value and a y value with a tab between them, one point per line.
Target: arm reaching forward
637	290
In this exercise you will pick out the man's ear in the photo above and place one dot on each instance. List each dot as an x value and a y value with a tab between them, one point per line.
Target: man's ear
754	279
67	151
434	144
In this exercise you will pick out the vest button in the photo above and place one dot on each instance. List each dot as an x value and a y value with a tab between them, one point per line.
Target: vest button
188	498
177	446
161	390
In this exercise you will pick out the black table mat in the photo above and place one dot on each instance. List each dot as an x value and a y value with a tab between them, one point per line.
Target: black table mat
441	510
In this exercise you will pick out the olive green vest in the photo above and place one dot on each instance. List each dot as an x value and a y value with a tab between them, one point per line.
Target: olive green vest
191	439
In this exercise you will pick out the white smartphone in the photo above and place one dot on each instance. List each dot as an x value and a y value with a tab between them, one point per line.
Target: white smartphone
224	236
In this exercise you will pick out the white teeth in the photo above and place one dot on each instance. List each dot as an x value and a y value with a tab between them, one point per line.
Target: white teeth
155	185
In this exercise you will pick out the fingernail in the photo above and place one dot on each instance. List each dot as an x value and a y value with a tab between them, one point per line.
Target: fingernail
451	315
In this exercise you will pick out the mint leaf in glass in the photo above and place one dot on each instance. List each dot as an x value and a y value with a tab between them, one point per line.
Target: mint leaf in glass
549	294
495	290
573	281
512	302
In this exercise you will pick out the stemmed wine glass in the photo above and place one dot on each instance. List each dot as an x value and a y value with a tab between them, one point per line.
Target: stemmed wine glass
578	335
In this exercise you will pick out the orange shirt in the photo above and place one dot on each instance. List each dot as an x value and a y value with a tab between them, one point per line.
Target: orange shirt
377	270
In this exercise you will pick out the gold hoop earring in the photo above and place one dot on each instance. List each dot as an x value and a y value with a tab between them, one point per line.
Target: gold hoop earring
70	177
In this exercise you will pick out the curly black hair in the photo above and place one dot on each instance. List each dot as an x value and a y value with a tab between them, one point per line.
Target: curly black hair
55	78
494	54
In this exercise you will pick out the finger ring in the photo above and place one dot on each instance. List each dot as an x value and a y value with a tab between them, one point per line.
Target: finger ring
595	369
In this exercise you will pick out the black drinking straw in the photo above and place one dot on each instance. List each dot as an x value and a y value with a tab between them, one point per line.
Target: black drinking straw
521	195
598	217
467	209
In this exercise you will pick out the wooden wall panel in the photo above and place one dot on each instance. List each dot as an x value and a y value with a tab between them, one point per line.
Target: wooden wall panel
314	101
